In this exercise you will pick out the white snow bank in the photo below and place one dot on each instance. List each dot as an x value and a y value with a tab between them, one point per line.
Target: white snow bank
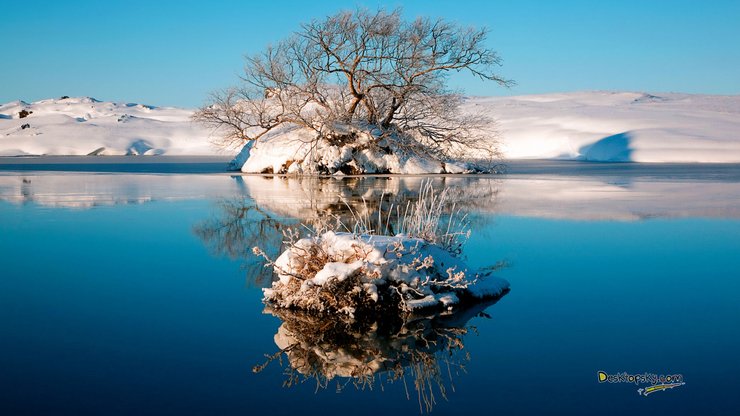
84	125
617	126
489	287
340	272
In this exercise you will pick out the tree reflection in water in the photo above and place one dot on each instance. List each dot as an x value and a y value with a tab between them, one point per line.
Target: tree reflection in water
240	225
422	352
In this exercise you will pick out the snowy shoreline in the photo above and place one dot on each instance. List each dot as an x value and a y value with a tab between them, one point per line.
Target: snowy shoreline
588	126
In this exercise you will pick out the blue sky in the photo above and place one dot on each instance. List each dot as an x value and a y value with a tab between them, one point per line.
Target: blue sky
174	52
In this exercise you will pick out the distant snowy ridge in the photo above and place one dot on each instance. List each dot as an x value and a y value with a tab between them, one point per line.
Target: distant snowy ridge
84	125
598	126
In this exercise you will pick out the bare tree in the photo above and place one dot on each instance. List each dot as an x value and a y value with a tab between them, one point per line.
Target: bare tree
372	70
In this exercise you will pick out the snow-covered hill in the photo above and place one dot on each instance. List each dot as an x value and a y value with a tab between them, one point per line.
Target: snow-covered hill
84	125
601	126
617	126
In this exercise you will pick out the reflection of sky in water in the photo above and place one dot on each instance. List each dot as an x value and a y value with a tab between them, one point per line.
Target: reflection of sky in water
116	309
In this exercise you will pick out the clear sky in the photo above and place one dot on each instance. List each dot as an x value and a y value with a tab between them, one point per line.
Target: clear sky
173	52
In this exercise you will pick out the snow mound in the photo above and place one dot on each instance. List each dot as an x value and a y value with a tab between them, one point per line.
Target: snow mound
295	150
346	273
86	126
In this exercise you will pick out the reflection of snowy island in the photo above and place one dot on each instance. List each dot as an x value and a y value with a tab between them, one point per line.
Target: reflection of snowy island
428	349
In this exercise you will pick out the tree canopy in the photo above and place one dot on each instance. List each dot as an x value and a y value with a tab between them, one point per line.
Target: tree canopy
369	69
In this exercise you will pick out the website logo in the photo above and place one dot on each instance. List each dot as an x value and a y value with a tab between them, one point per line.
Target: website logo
656	382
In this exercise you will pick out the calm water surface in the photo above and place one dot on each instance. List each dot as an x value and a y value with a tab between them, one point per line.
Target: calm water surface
136	294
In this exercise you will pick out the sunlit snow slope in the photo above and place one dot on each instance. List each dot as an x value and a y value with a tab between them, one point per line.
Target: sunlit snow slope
617	126
600	126
81	126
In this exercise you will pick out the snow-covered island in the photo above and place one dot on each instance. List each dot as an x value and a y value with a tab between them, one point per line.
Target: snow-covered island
405	260
591	126
349	273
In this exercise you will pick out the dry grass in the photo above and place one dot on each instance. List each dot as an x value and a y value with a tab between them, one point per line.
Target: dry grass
434	218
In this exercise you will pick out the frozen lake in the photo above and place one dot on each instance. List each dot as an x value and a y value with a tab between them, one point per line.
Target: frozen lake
136	293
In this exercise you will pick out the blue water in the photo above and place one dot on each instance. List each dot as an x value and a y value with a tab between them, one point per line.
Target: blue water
125	309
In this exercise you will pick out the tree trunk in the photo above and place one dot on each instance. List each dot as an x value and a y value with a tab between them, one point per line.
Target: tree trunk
391	112
353	106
